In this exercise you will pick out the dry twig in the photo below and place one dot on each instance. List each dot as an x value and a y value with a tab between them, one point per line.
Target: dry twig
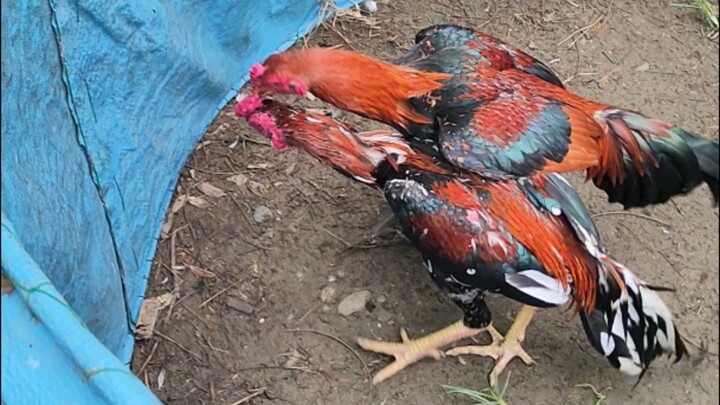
256	392
337	339
217	294
634	214
578	33
175	342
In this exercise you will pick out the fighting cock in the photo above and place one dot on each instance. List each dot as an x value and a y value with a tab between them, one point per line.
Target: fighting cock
529	239
491	109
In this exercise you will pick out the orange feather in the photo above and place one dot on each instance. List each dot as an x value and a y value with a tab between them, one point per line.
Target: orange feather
458	194
444	238
325	139
586	144
354	82
559	253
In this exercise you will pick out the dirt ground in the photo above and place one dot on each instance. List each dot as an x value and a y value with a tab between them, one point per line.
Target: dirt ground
248	324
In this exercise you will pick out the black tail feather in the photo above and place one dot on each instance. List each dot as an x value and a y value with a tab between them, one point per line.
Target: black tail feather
675	162
631	328
707	152
543	71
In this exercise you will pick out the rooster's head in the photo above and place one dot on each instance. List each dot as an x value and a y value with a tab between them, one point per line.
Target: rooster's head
278	75
251	108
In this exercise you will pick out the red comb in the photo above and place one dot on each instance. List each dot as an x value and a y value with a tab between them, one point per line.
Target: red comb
248	105
256	71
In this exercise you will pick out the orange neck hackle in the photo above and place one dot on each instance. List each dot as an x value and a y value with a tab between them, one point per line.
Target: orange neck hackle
547	238
327	140
352	82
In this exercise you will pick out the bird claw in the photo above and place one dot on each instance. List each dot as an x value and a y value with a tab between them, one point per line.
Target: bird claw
501	349
410	351
405	353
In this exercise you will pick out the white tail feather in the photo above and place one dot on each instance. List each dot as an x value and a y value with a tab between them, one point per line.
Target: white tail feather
632	325
539	286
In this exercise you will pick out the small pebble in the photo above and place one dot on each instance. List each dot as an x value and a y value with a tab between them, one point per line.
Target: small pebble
239	305
643	68
328	295
354	302
369	6
262	214
384	316
293	358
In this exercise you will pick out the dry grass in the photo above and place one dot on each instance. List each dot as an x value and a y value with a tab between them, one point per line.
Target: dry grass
488	396
709	13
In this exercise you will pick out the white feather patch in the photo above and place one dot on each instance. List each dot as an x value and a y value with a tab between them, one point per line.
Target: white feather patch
607	343
540	286
364	180
429	266
466	297
655	308
618	329
589	240
628	367
375	156
632	349
562	179
630	281
633	314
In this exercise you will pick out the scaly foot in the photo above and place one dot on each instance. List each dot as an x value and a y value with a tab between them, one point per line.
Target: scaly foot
502	349
411	351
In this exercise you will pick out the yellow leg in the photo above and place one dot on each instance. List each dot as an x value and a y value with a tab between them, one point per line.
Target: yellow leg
411	351
503	349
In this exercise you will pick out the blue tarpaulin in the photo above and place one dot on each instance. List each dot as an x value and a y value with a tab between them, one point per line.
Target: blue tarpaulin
102	102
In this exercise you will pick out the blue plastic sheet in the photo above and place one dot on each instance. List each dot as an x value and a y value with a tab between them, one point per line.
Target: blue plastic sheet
48	354
102	102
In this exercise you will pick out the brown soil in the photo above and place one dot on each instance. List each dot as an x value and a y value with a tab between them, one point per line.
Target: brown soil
645	56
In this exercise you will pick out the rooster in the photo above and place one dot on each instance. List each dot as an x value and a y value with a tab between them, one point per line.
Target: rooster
493	110
529	239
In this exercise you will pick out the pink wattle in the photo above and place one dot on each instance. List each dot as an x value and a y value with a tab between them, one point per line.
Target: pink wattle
248	105
266	125
279	142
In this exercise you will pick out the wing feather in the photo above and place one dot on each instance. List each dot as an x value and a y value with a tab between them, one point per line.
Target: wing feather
513	125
